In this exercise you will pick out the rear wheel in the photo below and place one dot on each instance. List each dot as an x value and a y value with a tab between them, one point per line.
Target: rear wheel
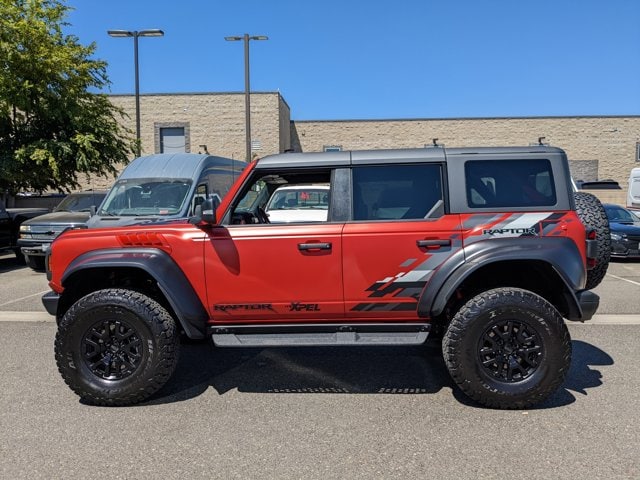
593	215
507	348
116	347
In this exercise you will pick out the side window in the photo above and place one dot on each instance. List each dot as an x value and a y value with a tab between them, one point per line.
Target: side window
284	197
509	183
407	192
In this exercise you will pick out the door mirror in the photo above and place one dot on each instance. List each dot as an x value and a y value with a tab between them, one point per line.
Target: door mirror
205	213
208	209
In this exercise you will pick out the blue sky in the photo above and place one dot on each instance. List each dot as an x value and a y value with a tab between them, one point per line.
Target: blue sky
377	59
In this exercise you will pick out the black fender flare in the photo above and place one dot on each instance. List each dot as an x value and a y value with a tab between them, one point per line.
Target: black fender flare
560	252
173	283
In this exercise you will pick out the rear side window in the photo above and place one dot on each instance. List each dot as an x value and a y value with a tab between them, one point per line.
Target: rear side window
396	192
509	183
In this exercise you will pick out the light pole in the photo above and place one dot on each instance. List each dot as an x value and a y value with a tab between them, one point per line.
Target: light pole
135	34
247	87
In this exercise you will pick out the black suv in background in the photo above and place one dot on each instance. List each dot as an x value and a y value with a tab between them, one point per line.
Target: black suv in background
37	234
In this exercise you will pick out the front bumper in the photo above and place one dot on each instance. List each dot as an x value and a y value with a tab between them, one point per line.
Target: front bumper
34	248
50	301
625	248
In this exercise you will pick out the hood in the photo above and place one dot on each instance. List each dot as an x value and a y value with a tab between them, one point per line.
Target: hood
626	228
59	218
100	221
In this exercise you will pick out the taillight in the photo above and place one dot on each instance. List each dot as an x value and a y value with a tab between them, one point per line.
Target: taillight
592	248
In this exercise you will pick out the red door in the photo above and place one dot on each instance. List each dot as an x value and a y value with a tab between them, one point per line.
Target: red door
399	235
274	272
387	265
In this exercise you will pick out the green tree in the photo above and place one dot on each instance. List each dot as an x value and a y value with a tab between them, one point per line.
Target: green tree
53	126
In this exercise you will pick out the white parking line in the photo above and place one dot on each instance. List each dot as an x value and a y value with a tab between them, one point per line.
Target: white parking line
624	279
23	298
26	317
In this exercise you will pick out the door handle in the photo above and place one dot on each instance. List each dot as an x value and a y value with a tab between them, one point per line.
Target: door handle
314	246
434	244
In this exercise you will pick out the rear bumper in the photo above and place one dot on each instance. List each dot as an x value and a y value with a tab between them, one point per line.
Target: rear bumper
588	302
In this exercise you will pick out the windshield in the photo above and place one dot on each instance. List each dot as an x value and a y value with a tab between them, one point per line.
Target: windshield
620	215
79	202
299	199
146	196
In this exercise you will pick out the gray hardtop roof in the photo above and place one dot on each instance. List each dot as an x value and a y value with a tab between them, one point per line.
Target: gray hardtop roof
171	165
354	157
538	149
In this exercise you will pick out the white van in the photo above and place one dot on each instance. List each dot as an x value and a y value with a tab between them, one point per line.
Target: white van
165	186
633	195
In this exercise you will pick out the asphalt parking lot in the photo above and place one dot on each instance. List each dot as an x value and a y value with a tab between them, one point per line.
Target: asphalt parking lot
320	413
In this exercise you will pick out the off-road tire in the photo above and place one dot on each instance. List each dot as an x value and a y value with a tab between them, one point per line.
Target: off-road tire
35	262
536	348
116	347
593	215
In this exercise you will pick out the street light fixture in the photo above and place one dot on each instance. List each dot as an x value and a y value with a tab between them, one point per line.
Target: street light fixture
135	34
247	102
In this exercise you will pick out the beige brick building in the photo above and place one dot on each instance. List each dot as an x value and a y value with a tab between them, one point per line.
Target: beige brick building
599	147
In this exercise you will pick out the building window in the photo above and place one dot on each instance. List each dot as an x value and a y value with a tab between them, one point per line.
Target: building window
332	148
637	151
172	137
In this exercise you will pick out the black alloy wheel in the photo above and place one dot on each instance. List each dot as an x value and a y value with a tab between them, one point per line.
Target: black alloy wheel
112	349
507	348
116	347
510	351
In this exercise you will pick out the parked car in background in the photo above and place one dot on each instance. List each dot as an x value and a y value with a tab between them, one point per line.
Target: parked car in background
300	203
598	185
633	192
10	221
625	231
165	186
37	234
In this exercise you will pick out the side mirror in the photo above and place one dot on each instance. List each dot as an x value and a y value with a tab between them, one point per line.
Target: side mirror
92	210
208	211
205	213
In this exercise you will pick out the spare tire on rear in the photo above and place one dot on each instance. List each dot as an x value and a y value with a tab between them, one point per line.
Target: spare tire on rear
593	216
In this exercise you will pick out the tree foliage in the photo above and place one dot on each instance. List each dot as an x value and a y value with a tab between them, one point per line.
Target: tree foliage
52	127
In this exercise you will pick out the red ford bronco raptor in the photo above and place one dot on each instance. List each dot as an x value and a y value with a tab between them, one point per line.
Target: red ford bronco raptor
488	247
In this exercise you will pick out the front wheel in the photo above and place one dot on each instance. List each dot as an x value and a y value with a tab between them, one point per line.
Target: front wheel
116	347
20	260
35	262
507	348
